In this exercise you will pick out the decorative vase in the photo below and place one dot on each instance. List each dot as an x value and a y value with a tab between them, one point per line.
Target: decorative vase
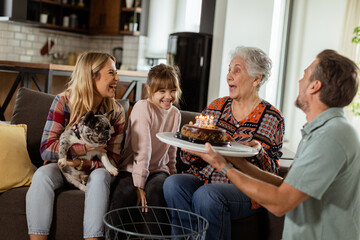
129	3
43	18
133	27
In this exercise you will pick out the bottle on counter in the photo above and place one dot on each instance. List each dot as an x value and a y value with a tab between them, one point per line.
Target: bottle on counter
72	59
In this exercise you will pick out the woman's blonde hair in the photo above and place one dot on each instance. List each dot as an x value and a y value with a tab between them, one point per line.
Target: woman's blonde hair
164	76
81	87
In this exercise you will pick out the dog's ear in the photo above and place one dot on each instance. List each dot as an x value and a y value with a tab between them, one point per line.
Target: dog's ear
89	116
108	113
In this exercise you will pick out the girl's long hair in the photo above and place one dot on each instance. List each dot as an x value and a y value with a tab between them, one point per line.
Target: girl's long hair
81	87
164	76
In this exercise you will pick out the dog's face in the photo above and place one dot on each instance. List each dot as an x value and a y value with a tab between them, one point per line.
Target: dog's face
95	129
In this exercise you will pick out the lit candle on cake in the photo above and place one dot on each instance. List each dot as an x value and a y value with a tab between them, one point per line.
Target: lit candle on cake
197	120
205	121
201	121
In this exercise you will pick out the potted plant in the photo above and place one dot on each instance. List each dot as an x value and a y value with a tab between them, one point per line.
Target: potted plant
132	24
354	107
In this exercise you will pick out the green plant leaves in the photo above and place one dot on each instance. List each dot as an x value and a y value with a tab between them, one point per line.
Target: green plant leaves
354	107
356	38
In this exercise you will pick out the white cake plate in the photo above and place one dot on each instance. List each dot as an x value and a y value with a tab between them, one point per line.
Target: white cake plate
235	150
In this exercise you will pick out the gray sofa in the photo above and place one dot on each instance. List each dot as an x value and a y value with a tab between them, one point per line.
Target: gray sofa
31	108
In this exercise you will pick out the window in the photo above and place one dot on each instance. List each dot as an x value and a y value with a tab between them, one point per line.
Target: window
278	50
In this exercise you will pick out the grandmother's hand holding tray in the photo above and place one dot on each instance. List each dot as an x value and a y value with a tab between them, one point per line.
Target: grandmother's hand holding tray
232	150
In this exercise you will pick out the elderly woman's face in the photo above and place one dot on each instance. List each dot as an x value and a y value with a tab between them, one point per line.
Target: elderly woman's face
241	84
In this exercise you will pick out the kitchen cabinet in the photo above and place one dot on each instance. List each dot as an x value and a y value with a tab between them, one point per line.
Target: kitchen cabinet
97	17
115	17
68	15
105	15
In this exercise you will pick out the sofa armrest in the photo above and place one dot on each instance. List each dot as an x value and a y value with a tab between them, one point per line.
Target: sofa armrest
286	161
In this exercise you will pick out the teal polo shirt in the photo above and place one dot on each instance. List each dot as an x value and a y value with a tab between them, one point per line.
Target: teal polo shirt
327	168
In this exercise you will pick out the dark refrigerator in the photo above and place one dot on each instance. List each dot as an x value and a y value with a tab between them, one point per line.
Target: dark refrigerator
191	52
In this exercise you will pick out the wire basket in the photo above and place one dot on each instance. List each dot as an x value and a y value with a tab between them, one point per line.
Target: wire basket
157	223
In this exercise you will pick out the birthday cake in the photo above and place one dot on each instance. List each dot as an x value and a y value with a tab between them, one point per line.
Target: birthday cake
203	131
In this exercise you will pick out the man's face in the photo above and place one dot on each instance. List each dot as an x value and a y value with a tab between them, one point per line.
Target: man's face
302	100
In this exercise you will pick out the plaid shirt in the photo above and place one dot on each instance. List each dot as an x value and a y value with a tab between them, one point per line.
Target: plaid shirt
264	124
57	120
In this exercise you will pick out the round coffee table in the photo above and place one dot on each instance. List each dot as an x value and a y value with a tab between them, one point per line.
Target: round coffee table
156	223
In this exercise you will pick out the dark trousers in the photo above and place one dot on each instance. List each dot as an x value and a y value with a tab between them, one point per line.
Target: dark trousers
124	192
124	195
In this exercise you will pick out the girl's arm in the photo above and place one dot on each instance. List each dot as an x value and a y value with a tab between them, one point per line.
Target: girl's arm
172	150
172	160
140	138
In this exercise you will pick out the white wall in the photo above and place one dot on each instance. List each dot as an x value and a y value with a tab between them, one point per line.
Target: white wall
316	25
160	24
237	22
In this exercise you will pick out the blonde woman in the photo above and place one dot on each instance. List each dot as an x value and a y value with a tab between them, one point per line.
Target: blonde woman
92	87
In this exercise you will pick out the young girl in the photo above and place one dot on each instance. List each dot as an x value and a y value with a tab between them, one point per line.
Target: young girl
147	160
92	87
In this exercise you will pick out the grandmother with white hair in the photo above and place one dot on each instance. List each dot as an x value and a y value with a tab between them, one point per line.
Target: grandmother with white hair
247	119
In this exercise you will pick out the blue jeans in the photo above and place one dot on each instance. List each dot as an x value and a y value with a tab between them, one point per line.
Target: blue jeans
40	200
218	202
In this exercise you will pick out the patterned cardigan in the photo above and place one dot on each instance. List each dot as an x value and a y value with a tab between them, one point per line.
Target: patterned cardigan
264	124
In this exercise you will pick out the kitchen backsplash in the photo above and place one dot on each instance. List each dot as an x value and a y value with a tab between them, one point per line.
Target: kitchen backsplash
22	42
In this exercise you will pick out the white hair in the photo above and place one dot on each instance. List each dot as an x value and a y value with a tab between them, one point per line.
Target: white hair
257	62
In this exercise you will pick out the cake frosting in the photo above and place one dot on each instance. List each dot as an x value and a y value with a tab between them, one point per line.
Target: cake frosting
204	133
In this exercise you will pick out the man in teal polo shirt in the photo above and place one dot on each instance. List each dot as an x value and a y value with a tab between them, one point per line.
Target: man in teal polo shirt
321	193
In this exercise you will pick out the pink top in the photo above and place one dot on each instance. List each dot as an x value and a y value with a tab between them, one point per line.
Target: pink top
143	152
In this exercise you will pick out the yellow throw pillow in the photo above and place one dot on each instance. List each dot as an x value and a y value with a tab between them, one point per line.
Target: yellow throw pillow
16	169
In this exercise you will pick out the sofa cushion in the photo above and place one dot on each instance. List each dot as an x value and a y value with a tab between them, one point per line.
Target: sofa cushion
67	218
16	168
32	108
13	215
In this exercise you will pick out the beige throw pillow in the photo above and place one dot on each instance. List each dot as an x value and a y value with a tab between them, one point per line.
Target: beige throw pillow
16	169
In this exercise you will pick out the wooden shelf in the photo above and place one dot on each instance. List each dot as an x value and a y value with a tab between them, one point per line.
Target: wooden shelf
137	9
67	5
49	2
79	30
127	32
56	11
76	7
68	29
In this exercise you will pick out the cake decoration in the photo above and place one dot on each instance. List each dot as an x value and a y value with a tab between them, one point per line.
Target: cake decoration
202	131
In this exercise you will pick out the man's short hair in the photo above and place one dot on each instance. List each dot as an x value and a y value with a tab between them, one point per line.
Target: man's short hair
339	78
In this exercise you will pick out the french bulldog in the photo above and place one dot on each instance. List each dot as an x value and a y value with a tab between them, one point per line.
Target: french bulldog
93	130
